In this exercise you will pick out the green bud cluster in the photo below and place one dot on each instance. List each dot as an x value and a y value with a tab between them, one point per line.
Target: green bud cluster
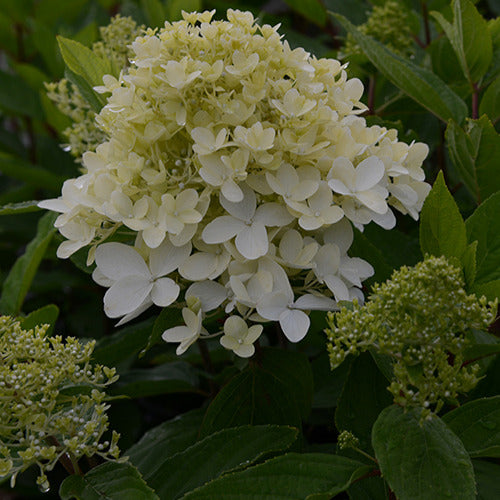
83	135
51	405
390	25
422	318
347	440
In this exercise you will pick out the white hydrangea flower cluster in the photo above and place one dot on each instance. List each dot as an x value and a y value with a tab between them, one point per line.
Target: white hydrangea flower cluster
239	165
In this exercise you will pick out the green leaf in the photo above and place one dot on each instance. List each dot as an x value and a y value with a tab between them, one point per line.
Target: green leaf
165	440
83	63
442	230
481	350
363	397
313	10
168	318
421	461
109	481
469	263
175	8
484	226
294	476
477	424
469	37
491	289
328	383
20	208
253	397
490	102
487	474
46	315
95	100
419	83
21	170
18	282
173	377
216	455
276	391
123	344
474	152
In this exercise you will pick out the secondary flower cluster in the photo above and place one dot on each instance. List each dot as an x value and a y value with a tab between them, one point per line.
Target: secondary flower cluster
83	134
41	418
423	318
239	166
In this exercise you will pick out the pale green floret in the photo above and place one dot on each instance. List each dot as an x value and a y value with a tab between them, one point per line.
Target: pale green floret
42	414
83	135
422	317
390	25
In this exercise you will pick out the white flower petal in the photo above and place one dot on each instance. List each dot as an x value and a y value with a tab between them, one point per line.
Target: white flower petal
164	292
231	191
210	293
369	172
315	302
337	286
126	295
116	261
294	324
198	266
252	242
272	306
177	334
222	229
244	209
136	312
167	258
373	200
273	214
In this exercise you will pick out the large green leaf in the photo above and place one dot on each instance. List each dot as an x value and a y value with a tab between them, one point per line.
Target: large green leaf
419	83
442	230
363	397
469	37
421	460
165	440
254	397
477	424
110	481
176	376
216	454
18	281
484	226
488	485
475	151
294	476
277	391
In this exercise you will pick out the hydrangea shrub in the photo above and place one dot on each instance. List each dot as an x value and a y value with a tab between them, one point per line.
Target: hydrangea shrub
234	168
